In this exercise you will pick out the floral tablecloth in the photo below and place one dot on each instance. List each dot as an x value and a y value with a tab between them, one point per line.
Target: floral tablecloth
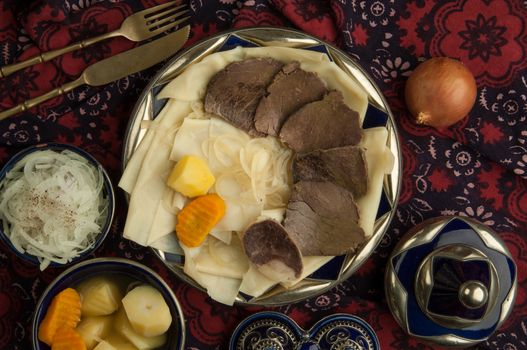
477	168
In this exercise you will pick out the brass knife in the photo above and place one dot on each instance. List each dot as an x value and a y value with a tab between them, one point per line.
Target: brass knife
115	67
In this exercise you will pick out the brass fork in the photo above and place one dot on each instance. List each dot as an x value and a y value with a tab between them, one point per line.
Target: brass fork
139	26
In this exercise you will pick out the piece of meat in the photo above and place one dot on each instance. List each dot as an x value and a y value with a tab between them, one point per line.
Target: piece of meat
235	91
322	218
324	124
291	88
344	166
269	247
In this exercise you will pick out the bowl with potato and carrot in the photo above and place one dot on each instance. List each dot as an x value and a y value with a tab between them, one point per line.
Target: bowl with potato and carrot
108	304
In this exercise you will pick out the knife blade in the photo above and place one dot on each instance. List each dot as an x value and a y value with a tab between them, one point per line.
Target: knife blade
136	59
115	67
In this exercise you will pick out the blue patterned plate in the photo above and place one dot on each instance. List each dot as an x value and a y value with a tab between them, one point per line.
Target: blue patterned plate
275	331
377	115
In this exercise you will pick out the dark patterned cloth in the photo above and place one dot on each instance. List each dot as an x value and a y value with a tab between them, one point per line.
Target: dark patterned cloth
477	168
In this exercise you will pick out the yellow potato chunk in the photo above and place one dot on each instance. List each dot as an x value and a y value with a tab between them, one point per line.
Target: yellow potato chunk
100	296
119	342
104	345
191	177
124	328
94	328
147	311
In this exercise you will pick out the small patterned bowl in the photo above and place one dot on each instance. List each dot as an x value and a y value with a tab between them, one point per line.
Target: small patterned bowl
108	193
120	268
276	331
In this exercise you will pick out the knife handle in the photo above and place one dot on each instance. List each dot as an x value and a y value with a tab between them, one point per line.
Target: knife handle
49	55
37	100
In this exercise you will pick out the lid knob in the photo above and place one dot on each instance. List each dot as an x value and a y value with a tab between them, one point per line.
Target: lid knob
473	294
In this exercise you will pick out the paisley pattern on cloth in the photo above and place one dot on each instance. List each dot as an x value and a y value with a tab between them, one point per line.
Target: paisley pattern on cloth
476	168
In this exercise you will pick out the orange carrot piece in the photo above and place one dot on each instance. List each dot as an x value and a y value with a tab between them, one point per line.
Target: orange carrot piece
197	218
64	311
67	338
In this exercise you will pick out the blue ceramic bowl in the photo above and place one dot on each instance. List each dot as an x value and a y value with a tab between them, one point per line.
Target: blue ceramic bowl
120	268
108	193
273	330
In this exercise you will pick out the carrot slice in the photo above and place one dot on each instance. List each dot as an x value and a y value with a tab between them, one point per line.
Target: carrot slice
197	218
67	338
64	311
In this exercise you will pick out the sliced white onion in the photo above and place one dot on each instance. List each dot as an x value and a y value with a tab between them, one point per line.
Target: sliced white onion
52	205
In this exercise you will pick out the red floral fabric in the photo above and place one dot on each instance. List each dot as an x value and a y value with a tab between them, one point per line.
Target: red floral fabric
476	168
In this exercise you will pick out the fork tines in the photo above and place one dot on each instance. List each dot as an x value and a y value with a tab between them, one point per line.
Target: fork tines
169	14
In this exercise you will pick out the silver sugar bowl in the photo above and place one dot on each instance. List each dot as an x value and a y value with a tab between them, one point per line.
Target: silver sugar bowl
451	280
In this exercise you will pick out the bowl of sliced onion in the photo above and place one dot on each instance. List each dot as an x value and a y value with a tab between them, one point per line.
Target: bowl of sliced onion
56	204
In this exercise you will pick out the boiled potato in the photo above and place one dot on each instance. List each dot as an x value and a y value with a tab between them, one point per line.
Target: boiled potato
104	345
94	328
191	177
119	342
99	296
147	311
123	327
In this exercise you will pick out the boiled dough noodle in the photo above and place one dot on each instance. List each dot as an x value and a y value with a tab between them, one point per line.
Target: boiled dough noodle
52	205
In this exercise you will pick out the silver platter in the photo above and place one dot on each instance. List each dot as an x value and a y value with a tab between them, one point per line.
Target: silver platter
340	268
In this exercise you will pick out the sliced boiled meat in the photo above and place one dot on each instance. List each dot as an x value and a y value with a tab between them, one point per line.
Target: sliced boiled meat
322	218
291	89
234	92
344	166
323	124
275	254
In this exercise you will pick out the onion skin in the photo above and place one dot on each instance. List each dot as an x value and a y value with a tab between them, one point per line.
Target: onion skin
440	92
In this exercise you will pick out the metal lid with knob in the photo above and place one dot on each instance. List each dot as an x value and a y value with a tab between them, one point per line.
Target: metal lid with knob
451	280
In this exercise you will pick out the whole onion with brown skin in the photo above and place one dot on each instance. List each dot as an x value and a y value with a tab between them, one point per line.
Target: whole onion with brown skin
440	92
